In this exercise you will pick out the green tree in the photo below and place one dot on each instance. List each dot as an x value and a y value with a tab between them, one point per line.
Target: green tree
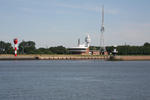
94	48
5	48
146	44
58	50
27	47
43	51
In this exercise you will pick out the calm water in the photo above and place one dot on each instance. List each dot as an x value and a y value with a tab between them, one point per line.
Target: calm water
74	80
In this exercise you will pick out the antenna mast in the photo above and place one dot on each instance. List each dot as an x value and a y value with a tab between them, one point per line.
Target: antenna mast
102	46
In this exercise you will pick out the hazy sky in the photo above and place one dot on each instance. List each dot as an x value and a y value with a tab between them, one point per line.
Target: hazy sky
62	22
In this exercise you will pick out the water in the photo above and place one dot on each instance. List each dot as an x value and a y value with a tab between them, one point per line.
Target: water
74	80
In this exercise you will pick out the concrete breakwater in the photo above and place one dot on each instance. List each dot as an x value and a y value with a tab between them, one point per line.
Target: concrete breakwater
51	57
73	57
12	57
130	58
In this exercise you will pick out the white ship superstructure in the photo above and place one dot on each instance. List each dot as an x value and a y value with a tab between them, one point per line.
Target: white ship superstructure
81	48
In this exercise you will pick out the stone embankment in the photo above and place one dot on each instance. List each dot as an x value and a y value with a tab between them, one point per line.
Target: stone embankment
73	57
130	58
51	57
12	57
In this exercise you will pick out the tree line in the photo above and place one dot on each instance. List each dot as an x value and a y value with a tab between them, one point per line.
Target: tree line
127	49
29	47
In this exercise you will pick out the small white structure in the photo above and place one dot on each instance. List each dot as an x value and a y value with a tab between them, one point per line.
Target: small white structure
115	50
87	41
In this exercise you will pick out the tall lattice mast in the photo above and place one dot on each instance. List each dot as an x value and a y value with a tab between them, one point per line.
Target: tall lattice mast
102	46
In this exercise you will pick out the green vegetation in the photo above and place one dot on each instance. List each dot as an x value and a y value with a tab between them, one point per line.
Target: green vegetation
29	47
128	50
134	50
5	48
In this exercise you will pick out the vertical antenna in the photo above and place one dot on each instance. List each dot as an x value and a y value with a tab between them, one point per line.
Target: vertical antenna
102	46
103	16
78	42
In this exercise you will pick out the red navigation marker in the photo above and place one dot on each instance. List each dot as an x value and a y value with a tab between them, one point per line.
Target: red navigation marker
15	42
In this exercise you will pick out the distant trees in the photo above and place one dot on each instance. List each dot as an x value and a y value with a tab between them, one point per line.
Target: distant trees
52	50
43	51
128	50
5	48
58	50
146	44
132	50
29	47
94	48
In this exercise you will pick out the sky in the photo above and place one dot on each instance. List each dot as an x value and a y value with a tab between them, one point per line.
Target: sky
63	22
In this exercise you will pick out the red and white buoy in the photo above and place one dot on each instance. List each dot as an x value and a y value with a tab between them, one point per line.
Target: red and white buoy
15	42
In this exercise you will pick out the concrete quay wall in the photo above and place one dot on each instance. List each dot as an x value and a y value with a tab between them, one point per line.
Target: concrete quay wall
50	57
130	58
73	57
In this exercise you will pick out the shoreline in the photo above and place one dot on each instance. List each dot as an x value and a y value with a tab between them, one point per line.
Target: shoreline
131	58
53	57
76	57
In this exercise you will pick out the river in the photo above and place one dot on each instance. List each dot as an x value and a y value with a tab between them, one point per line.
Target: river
74	80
